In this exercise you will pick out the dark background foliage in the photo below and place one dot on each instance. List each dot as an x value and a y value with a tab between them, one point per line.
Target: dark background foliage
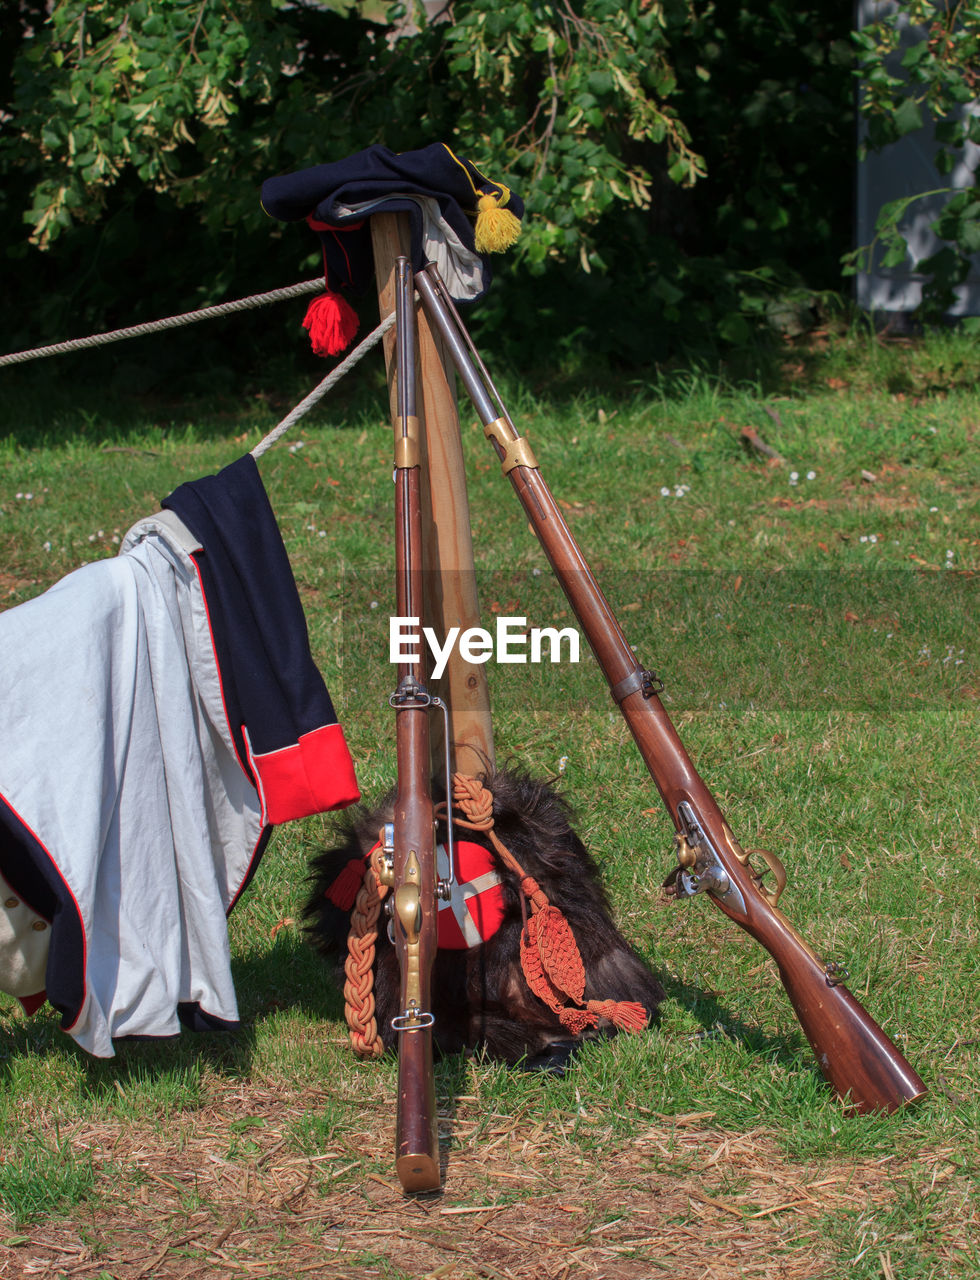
767	92
689	171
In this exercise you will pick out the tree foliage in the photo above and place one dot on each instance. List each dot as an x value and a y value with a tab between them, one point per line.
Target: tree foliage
199	100
681	159
189	99
141	128
919	64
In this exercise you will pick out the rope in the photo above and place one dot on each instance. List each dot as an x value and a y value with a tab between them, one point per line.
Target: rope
550	958
212	313
322	388
359	1003
473	798
171	322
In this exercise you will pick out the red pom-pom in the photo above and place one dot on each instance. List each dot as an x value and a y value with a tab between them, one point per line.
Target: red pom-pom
332	323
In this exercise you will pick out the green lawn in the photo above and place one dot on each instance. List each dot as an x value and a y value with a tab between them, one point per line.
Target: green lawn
815	622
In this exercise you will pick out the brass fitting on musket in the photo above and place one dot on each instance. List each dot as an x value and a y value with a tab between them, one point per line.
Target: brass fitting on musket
407	452
383	858
686	856
408	900
516	449
408	912
773	895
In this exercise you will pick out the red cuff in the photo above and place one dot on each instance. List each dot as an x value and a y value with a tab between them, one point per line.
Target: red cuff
311	776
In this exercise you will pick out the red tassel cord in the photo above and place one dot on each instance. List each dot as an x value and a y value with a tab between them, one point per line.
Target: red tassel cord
550	957
343	892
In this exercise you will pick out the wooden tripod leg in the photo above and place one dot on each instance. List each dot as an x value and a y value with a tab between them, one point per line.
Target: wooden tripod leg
449	591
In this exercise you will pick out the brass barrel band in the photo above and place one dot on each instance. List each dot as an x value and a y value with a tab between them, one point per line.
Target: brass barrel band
517	449
406	441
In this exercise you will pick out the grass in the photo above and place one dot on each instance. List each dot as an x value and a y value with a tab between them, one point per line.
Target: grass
818	640
40	1178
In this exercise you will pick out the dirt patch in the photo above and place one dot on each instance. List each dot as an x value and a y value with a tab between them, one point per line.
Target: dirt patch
219	1197
11	585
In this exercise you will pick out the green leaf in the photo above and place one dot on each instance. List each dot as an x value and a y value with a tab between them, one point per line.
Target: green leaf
895	255
949	133
908	117
667	291
944	161
734	328
256	1122
969	236
915	55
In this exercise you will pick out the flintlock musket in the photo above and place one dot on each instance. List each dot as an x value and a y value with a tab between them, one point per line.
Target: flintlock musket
856	1056
409	842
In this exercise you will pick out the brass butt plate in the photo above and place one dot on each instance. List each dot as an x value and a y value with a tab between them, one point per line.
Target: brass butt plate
418	1172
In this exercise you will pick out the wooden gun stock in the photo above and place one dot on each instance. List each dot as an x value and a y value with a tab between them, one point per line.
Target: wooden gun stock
413	873
861	1063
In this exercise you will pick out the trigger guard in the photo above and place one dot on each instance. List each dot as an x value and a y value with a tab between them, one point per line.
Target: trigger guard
772	896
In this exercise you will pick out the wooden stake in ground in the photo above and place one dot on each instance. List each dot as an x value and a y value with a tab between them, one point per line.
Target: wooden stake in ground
449	591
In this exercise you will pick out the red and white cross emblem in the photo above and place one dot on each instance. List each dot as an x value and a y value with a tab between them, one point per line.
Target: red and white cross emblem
475	910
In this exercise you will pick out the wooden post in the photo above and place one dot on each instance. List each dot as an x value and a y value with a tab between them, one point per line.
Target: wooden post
449	582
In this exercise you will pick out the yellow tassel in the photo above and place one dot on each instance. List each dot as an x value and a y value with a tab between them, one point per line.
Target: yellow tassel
496	229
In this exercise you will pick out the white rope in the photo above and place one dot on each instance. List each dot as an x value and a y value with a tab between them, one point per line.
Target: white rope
211	313
319	391
171	322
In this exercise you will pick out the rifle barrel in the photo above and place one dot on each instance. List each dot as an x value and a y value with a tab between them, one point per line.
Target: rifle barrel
858	1059
414	863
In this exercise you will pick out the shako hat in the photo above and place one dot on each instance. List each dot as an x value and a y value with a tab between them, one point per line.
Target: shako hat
457	215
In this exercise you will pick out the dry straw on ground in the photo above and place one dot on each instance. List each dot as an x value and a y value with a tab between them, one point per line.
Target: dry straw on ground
207	1198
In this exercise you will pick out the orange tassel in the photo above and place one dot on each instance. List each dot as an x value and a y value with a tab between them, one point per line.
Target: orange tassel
550	958
331	322
560	956
624	1014
575	1020
553	969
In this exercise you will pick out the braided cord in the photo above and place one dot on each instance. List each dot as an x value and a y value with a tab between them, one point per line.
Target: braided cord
550	958
359	1006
